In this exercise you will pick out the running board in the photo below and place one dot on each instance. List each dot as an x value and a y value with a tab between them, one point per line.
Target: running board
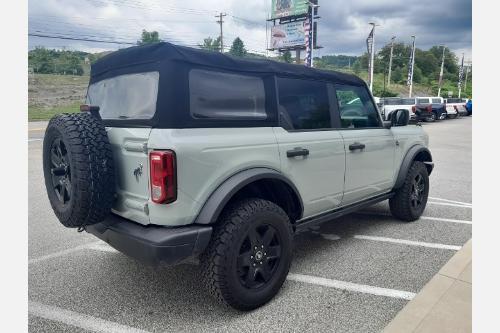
304	224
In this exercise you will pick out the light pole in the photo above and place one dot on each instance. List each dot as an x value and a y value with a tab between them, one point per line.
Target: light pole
390	62
441	74
372	55
412	65
312	5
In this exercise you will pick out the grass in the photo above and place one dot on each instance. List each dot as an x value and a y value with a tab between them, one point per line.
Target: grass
36	113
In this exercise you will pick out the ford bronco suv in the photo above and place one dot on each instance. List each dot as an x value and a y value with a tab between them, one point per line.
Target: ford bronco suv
182	153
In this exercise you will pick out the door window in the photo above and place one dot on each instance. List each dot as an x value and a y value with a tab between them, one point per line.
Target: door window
303	104
356	108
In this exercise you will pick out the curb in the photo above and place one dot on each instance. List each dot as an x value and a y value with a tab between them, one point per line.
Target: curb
445	303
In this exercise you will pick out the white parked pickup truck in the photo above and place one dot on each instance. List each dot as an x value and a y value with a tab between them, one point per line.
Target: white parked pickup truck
390	104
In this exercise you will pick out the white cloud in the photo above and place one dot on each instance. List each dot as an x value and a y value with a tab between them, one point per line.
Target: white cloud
343	27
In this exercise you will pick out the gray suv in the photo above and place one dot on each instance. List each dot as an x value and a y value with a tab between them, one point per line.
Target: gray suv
181	152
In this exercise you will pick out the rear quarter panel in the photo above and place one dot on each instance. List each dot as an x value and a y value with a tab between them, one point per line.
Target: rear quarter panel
206	157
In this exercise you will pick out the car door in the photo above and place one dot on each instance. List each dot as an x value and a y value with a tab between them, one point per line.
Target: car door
369	147
311	151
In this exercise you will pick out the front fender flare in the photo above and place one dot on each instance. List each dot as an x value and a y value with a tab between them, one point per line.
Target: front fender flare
411	155
220	197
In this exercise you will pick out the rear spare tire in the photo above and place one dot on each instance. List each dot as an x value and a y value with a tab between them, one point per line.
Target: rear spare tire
78	169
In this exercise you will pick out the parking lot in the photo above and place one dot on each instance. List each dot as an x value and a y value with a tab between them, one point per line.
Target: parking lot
353	274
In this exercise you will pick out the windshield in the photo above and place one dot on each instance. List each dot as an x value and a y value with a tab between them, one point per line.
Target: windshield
436	100
423	101
131	96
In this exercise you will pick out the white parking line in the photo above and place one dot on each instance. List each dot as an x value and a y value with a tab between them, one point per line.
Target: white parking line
79	320
452	201
444	220
360	288
408	242
62	253
449	204
331	237
103	247
421	217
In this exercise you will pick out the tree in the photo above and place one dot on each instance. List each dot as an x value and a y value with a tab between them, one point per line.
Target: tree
238	48
356	67
210	44
287	57
149	37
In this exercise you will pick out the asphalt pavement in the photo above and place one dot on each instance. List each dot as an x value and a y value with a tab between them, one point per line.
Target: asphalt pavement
353	274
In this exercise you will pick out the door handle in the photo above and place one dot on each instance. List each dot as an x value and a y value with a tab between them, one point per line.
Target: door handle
297	152
356	145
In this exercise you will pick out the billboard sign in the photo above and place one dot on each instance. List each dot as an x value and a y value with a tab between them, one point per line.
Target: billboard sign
285	8
288	35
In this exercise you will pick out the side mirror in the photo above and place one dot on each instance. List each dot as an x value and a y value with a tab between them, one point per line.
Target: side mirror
400	117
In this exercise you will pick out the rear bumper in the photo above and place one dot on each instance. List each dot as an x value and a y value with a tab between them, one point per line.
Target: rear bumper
153	245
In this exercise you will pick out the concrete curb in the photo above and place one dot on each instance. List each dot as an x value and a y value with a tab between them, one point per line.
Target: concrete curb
445	303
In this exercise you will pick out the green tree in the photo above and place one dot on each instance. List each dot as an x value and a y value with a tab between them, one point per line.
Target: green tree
149	37
210	44
238	48
287	57
356	67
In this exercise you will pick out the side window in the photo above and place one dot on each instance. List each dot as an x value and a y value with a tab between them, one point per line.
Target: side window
218	95
303	104
356	107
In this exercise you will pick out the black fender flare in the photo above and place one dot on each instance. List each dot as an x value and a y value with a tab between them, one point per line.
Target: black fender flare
212	208
419	151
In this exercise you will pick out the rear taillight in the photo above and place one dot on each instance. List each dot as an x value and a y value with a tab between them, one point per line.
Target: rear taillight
163	176
414	109
455	107
429	108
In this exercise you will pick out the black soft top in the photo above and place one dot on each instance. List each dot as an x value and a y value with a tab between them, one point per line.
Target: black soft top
117	63
174	63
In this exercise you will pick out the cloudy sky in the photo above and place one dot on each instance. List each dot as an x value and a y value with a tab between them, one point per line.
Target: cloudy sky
343	26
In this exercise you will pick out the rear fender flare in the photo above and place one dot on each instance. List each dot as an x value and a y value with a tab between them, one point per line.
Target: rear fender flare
222	195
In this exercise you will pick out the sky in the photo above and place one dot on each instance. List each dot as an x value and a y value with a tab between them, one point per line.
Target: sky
343	26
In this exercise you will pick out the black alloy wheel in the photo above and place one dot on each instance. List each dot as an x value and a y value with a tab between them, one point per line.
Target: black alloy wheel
60	171
417	191
259	256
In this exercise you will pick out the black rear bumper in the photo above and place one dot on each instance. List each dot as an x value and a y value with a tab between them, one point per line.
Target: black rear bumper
152	244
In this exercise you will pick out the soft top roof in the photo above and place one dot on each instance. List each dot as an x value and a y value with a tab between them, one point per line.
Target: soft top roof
166	52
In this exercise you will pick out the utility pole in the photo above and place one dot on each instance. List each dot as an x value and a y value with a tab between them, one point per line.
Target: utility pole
441	74
390	63
460	76
412	66
313	7
220	21
467	68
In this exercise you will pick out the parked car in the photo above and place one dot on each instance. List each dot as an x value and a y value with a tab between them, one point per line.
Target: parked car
468	106
182	153
435	104
396	103
458	104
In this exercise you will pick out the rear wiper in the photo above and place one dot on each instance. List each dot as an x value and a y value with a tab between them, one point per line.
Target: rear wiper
123	117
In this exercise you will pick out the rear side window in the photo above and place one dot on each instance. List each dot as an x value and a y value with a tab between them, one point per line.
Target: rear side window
356	107
131	96
218	95
408	101
303	104
393	101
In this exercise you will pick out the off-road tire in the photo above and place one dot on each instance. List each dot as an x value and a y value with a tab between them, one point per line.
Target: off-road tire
219	261
400	203
88	160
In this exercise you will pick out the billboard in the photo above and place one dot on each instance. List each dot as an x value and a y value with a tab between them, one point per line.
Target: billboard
285	8
288	35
